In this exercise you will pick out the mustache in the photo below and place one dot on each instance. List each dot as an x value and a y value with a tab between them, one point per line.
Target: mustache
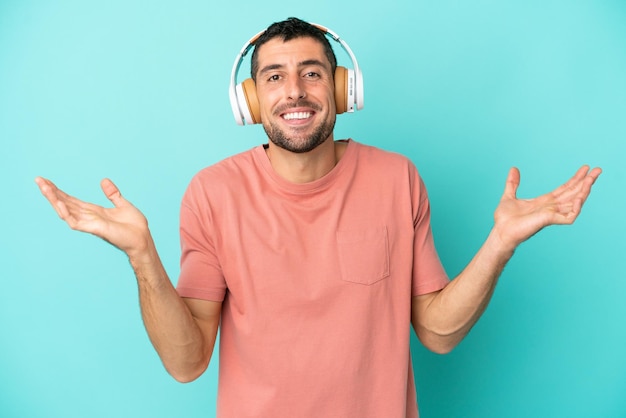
297	103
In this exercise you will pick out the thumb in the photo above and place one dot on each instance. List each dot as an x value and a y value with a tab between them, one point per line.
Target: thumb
512	183
112	192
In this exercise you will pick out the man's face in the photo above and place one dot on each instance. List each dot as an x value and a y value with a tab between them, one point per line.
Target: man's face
295	88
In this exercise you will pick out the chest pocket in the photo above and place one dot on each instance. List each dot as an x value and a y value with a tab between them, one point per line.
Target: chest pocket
363	255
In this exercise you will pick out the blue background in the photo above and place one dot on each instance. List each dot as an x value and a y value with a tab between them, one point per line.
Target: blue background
137	91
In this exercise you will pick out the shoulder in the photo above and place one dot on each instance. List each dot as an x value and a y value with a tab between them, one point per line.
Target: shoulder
227	167
389	170
374	158
223	176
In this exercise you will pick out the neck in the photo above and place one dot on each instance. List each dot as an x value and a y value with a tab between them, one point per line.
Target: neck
308	166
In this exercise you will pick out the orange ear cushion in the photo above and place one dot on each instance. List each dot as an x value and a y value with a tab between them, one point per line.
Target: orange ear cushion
341	89
249	90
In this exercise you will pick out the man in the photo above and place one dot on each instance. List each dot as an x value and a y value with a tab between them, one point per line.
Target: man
311	255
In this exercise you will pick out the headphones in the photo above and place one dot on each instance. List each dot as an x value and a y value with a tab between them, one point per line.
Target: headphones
348	85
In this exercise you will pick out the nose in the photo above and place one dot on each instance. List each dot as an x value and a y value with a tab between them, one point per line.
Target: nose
295	88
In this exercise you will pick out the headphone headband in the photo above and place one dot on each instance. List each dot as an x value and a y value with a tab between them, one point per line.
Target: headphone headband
245	105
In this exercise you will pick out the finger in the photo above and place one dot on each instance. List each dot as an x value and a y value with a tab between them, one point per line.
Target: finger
45	185
51	193
571	209
48	190
580	175
586	185
55	195
68	208
594	174
41	181
572	188
579	186
589	180
512	183
112	192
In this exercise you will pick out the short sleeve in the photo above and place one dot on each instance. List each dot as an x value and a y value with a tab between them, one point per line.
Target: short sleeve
429	274
200	272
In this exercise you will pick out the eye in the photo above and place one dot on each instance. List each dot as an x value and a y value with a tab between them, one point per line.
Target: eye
312	75
274	77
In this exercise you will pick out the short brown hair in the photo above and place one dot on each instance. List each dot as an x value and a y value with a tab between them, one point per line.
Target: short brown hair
289	29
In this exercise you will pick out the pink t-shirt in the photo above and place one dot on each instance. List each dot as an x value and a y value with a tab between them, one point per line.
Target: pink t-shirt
316	279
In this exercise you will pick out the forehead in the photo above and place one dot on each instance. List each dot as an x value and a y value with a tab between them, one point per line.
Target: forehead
279	52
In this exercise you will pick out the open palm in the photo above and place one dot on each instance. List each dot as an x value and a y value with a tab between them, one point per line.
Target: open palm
123	225
516	220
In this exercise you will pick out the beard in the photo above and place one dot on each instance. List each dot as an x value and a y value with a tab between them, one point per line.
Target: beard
299	144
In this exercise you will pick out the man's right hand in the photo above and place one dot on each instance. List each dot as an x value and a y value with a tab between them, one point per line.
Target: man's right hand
182	331
123	225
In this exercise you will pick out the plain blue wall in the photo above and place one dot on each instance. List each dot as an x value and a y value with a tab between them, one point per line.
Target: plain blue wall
137	92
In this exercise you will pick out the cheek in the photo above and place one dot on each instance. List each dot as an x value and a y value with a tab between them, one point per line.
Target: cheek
331	95
265	104
267	98
332	107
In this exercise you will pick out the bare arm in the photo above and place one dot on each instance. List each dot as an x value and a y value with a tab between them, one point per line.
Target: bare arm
183	331
442	319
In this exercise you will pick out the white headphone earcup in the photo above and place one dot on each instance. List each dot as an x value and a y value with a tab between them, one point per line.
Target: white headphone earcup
358	89
351	91
242	105
234	103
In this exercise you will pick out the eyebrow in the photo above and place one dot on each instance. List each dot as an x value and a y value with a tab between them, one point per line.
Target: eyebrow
304	63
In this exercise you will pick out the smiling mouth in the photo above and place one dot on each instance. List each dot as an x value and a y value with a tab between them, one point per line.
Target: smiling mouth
297	115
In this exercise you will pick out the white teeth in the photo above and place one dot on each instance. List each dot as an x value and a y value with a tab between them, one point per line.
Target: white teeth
297	115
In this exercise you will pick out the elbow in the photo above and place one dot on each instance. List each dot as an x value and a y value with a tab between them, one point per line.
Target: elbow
439	346
438	343
187	374
184	378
